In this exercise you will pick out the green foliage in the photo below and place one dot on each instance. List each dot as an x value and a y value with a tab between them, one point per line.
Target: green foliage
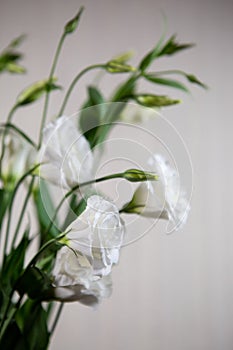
164	81
23	320
9	58
14	263
36	317
45	210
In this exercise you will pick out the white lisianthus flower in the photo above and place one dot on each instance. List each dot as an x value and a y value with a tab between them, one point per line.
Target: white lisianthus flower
66	156
162	199
19	156
82	268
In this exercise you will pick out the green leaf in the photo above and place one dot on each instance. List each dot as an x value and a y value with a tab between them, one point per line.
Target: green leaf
35	283
14	263
9	58
17	41
91	118
149	100
172	46
164	81
71	26
35	91
44	210
12	338
193	79
5	198
95	96
125	90
32	321
151	56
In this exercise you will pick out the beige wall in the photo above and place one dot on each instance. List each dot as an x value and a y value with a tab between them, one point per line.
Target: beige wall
170	292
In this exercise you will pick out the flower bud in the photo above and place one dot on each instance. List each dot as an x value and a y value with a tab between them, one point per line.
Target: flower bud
71	26
115	66
35	91
148	100
136	175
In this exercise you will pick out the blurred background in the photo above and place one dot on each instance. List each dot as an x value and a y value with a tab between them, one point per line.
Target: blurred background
170	291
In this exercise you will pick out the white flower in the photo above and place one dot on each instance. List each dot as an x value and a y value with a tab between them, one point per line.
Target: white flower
163	198
94	240
66	154
19	156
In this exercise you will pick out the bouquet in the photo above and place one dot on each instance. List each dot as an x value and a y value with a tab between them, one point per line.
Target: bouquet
67	252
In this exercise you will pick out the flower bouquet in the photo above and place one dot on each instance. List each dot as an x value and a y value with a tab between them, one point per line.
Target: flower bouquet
67	251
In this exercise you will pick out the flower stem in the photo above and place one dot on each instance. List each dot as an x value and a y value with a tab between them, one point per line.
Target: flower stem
22	212
54	64
58	314
30	172
9	118
104	178
74	82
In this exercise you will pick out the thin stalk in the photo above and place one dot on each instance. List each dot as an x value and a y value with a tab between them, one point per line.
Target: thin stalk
9	118
11	205
74	82
23	212
104	178
58	314
46	104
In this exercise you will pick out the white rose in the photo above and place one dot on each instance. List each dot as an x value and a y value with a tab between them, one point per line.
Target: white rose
66	154
94	240
162	199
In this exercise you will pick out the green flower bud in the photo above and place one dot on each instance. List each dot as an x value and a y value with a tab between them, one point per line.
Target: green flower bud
148	100
71	26
115	66
35	91
136	175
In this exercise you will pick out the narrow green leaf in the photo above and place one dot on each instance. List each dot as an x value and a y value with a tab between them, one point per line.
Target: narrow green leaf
17	41
125	90
32	321
35	283
14	263
12	338
164	81
149	100
95	96
71	26
172	46
151	56
193	79
45	210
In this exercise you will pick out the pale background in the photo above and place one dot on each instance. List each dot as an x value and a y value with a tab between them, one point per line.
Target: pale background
170	292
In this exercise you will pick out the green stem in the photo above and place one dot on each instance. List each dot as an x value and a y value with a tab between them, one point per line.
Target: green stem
54	64
22	212
74	82
20	132
58	314
9	118
104	178
30	172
